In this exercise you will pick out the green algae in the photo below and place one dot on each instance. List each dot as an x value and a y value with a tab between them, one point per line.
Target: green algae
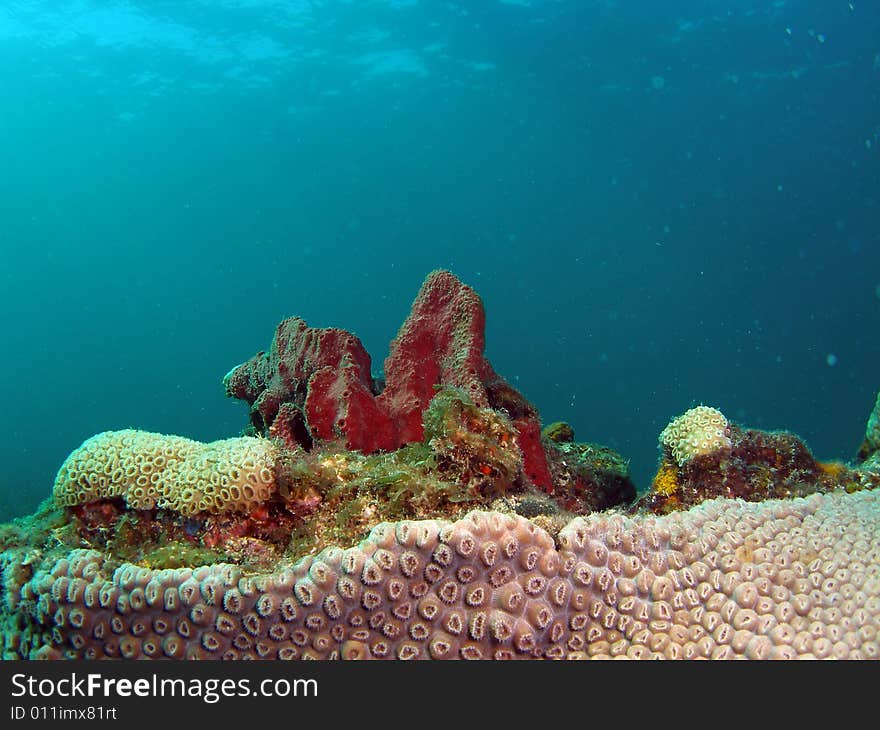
559	432
180	555
46	526
468	457
357	492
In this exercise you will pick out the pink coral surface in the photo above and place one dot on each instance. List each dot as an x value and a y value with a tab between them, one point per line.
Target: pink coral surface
727	579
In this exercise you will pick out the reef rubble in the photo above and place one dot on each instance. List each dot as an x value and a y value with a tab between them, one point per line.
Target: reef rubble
427	515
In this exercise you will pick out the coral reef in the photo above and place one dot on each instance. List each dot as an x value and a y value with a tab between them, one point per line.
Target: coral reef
705	456
314	385
727	579
429	517
149	497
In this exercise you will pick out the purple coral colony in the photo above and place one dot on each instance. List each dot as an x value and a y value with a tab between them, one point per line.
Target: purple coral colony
430	516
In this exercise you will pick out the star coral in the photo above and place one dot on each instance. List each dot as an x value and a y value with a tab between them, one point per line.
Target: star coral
727	579
697	432
150	470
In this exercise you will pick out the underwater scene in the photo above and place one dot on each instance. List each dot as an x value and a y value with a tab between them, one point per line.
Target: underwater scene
401	329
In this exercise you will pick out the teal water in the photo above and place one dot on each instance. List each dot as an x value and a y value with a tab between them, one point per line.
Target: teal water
661	204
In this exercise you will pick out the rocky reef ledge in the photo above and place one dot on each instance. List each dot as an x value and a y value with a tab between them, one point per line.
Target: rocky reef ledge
427	514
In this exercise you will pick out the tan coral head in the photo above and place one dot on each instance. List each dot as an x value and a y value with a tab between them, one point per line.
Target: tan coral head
699	431
152	470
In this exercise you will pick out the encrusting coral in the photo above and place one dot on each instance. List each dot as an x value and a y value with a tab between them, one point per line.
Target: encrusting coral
430	518
778	579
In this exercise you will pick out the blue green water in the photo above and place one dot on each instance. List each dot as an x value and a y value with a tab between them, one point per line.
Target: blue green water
661	204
